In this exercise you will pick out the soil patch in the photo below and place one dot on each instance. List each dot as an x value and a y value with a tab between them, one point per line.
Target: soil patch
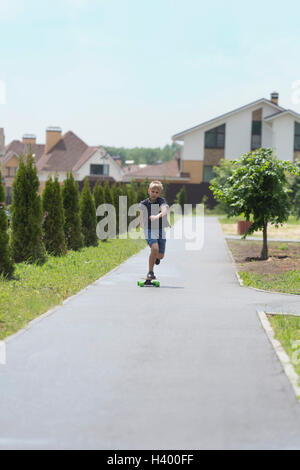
282	256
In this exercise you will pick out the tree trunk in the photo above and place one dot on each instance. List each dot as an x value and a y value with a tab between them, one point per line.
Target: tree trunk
264	251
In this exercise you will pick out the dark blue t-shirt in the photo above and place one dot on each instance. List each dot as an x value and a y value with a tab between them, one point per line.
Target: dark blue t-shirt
153	208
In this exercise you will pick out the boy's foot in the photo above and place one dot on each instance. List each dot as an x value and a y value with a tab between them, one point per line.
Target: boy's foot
157	261
151	275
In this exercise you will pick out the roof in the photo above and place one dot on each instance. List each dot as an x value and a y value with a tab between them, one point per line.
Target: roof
68	154
282	113
223	116
168	169
16	147
64	155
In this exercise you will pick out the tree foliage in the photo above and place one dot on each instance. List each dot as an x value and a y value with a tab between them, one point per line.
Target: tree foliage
181	197
26	209
88	215
72	226
294	181
6	262
149	156
258	187
53	214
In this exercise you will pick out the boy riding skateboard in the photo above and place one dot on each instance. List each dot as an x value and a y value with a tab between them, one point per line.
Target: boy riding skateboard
153	219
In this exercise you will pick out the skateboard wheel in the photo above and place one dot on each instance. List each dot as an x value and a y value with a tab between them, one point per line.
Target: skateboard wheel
156	283
140	283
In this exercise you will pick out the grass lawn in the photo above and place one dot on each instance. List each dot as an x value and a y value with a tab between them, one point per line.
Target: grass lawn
287	332
279	273
35	289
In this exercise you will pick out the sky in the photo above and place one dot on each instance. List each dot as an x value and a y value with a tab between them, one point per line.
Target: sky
135	72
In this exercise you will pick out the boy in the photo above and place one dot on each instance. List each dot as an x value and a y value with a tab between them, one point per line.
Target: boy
153	219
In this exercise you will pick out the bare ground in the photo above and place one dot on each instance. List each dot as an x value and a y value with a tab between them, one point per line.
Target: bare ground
247	256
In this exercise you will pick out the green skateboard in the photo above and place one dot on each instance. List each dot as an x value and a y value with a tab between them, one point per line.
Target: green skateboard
148	283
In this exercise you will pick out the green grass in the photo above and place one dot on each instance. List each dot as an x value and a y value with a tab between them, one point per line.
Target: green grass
287	330
35	289
288	282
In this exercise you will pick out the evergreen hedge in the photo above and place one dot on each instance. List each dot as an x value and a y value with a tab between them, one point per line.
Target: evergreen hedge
53	224
88	215
26	209
6	262
72	226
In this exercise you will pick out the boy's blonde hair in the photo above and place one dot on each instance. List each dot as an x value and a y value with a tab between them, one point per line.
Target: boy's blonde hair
156	185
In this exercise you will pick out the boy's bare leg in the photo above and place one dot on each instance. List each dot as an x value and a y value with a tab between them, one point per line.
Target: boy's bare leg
153	255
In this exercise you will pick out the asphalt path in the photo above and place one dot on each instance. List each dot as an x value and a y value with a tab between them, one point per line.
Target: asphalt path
184	366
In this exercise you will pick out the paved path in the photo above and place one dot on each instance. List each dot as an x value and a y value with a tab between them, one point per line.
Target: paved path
186	366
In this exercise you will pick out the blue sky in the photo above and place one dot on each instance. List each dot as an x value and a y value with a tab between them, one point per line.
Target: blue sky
135	72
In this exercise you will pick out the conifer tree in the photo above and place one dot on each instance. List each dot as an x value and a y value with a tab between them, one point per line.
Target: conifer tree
107	193
6	262
72	226
98	194
116	193
27	244
88	215
53	225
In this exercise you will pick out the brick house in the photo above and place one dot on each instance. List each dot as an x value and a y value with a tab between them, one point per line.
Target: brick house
60	155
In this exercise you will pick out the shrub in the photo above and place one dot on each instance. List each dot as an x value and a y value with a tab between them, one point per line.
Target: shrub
53	224
88	215
72	226
26	209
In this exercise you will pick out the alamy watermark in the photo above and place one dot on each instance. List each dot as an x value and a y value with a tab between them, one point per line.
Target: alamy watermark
189	225
2	92
2	353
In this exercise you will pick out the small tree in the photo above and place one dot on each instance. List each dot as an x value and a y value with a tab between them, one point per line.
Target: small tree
181	197
294	181
223	171
98	194
116	193
27	244
258	187
88	215
72	226
53	225
108	198
6	262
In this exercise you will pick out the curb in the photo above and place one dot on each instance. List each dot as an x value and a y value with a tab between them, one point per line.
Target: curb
281	354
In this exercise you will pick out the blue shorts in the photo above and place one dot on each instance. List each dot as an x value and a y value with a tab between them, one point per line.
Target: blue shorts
156	236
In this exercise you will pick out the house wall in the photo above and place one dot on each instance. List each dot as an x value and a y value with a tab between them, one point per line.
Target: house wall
237	134
44	175
98	158
283	137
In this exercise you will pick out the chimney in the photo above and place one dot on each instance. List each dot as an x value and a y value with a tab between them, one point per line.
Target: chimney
29	139
274	97
53	135
2	142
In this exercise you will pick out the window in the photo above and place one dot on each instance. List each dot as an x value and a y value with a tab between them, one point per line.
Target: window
215	138
99	170
208	173
297	136
256	135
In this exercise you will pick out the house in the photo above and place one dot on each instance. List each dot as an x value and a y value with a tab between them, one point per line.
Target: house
167	171
262	123
61	154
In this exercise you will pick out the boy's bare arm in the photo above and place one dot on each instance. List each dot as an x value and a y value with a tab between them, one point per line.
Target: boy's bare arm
164	211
